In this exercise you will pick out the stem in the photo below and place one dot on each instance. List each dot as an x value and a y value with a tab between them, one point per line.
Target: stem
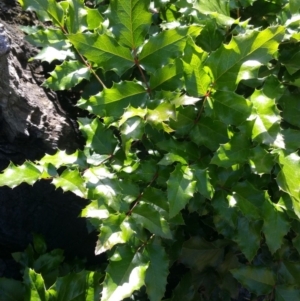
86	63
137	63
141	194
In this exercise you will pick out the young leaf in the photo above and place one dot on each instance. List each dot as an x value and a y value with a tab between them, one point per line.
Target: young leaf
103	50
130	21
237	60
181	188
145	215
124	274
258	280
67	75
157	272
114	101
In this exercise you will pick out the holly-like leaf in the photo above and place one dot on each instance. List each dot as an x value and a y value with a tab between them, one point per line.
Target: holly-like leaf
34	286
163	48
248	236
168	77
287	293
203	185
228	65
67	75
197	80
260	160
157	272
276	225
113	231
13	175
198	253
50	54
230	108
124	274
71	180
130	21
103	50
206	129
114	101
258	280
291	109
77	286
289	175
181	187
233	152
144	214
267	118
46	10
99	138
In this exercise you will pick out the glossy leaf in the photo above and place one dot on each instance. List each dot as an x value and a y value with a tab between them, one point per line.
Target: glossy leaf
165	47
34	285
157	272
181	188
103	50
67	75
130	21
114	101
125	274
241	58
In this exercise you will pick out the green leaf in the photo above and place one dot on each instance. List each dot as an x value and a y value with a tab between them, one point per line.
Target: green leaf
241	58
103	50
181	188
261	161
157	272
276	225
203	185
163	48
287	293
114	101
234	152
168	77
291	108
80	286
291	138
99	138
217	9
206	129
267	118
11	290
197	80
256	279
124	274
248	236
67	75
145	215
71	180
130	21
50	54
114	230
289	176
13	175
230	108
289	272
34	286
47	10
199	253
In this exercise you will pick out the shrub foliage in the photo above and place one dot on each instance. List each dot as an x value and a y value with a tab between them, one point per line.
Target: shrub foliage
191	160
